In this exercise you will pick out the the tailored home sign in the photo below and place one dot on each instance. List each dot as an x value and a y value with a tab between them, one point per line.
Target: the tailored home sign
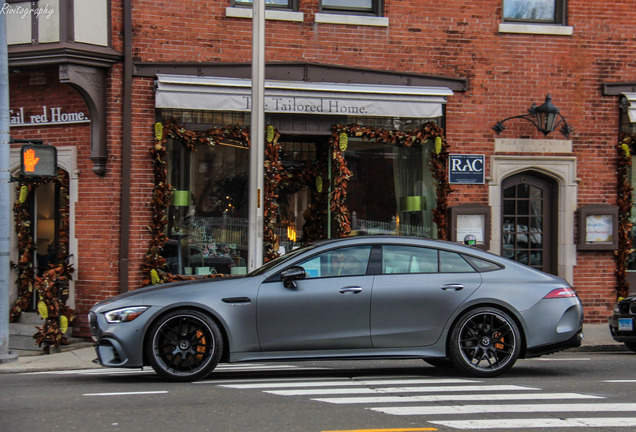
46	115
466	168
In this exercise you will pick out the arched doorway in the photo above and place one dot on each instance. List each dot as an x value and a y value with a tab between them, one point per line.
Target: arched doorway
529	220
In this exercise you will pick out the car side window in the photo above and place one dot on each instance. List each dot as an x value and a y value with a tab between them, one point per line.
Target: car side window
408	259
451	262
349	261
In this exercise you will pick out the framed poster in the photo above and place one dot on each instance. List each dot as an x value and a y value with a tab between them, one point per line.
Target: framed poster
598	227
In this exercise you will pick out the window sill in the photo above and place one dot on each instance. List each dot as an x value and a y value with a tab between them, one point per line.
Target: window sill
325	18
273	15
545	29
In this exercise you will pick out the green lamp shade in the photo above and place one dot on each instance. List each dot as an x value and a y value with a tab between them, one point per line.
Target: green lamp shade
412	203
181	198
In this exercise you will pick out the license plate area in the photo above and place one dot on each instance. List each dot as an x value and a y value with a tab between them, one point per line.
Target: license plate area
625	324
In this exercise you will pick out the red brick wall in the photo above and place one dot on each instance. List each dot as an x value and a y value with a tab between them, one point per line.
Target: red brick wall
505	72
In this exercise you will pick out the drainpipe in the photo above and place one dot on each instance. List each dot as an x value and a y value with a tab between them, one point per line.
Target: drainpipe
124	249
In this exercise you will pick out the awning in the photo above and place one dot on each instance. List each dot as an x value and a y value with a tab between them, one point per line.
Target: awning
295	97
631	108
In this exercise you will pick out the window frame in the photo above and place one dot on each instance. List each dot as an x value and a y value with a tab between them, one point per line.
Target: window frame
292	5
560	15
377	9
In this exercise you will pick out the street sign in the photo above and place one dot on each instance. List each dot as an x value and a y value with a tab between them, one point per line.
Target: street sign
38	160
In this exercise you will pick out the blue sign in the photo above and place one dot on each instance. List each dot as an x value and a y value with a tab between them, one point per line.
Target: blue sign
467	169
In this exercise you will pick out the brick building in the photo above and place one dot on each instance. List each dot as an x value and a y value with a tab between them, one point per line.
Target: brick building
123	87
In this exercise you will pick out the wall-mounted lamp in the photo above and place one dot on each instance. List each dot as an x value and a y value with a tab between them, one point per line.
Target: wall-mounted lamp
545	118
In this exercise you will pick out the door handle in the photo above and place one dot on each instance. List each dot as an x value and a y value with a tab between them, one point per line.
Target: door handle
453	286
350	290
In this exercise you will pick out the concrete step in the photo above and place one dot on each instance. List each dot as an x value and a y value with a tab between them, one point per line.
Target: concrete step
19	329
22	343
30	318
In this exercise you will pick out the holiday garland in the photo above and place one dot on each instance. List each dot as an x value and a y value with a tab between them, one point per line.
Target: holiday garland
625	202
313	175
439	167
52	287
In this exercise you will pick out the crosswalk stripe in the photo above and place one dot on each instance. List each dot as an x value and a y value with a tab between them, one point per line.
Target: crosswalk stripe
528	423
455	397
431	389
512	408
344	383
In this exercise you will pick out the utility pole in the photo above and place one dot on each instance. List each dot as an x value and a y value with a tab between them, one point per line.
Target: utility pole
5	189
257	138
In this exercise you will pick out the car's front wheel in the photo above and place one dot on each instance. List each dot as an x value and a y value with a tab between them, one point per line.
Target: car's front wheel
184	345
485	342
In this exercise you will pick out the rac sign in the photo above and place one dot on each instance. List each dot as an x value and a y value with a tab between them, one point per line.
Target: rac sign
463	168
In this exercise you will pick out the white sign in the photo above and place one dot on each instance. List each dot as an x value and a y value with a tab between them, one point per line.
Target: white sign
599	229
48	116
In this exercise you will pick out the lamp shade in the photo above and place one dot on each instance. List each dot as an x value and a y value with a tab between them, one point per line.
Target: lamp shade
181	198
546	116
412	203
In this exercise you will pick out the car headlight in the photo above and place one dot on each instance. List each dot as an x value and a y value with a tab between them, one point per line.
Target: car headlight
126	314
617	309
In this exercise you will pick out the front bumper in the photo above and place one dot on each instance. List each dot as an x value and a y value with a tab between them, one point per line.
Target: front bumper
117	345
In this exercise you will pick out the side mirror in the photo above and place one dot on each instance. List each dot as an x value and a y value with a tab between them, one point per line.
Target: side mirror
291	275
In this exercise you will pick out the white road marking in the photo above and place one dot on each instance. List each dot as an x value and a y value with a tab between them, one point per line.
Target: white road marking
455	397
528	423
127	393
344	383
431	389
508	408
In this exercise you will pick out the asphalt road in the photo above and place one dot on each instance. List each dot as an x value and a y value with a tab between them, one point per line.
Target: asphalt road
570	391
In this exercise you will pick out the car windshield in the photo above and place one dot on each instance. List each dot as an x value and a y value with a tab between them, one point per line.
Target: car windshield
281	259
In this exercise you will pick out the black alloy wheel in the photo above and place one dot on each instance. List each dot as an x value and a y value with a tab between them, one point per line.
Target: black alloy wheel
184	345
485	342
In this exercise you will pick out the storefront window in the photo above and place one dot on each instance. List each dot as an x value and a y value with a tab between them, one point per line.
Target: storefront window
391	191
207	220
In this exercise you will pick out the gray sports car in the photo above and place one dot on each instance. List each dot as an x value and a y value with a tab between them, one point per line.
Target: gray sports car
356	297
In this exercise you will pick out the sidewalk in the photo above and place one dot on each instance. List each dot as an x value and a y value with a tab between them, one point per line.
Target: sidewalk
81	355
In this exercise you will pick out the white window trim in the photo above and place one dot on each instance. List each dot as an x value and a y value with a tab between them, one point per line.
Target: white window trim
545	29
274	15
327	18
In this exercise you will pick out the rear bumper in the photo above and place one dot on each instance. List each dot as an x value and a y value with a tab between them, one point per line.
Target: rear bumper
574	342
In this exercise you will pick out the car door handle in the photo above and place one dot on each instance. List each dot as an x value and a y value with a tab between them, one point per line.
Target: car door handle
453	286
350	290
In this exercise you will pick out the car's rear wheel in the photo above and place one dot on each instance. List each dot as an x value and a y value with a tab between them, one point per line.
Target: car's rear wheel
184	345
485	342
631	346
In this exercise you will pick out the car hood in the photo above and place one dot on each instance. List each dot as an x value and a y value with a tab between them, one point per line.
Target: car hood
157	293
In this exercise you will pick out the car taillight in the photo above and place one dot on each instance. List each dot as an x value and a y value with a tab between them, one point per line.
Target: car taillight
561	293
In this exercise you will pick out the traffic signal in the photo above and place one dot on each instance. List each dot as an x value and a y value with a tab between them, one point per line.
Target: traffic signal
38	160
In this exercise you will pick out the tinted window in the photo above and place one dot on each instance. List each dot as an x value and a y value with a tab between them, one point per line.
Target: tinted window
451	262
408	259
351	261
481	265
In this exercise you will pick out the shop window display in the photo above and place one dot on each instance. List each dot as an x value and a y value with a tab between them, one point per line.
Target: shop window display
207	218
358	180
